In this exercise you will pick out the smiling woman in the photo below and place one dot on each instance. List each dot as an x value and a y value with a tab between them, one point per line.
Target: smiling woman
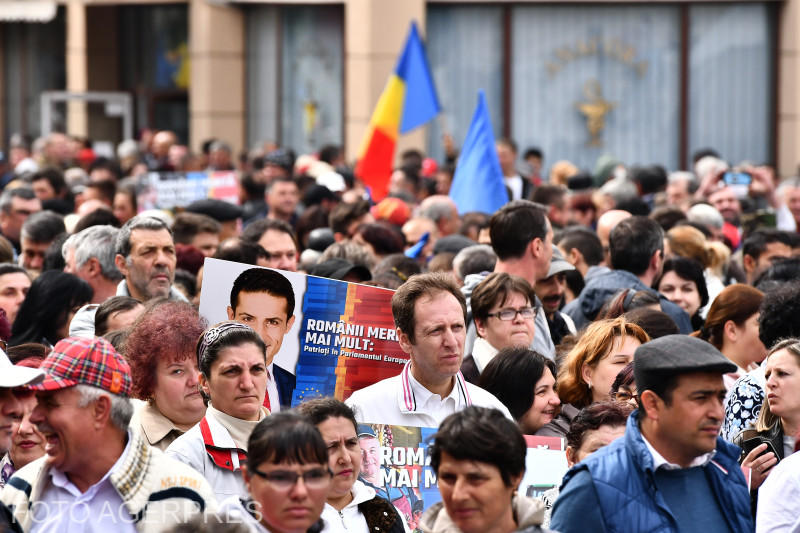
233	377
589	369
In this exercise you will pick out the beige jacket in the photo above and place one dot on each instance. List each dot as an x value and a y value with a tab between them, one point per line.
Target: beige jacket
157	491
528	512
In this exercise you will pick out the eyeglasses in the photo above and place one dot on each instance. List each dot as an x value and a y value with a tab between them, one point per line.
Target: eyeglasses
317	478
624	396
510	314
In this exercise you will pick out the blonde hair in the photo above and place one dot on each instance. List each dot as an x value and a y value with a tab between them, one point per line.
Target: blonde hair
690	242
593	346
561	171
767	418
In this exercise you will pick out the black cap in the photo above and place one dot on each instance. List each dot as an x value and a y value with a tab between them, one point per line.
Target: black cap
320	238
452	243
676	354
280	158
337	268
315	194
580	181
219	210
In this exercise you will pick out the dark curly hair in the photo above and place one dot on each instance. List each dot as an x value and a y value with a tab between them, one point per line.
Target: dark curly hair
167	331
779	312
592	417
472	435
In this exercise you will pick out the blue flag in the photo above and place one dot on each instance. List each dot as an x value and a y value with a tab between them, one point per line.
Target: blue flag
478	182
421	103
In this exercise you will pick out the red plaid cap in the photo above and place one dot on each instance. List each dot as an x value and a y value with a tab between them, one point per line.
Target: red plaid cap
82	361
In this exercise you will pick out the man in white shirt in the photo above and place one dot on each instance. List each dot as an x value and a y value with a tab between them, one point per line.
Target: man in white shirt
430	314
264	300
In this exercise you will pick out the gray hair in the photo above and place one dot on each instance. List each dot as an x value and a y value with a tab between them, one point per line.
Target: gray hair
351	251
98	242
146	222
706	215
474	260
620	189
692	184
709	165
121	406
43	226
26	193
436	208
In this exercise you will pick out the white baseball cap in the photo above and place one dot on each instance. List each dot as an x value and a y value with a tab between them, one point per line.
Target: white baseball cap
12	375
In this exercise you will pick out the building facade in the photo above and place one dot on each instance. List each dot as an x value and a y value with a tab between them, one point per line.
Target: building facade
646	82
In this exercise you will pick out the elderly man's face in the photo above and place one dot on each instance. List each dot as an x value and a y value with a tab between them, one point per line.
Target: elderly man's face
67	428
10	410
678	193
150	267
370	459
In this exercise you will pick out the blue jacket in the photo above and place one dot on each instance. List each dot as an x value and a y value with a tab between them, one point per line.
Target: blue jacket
604	286
627	499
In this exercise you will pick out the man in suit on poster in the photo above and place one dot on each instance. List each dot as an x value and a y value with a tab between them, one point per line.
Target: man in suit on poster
264	300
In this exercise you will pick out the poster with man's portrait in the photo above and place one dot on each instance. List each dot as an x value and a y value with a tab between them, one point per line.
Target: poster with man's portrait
325	337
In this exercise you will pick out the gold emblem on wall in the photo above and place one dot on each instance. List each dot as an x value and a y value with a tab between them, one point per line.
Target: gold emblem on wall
595	110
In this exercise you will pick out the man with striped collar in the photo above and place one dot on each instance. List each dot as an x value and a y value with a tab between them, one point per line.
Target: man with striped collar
430	315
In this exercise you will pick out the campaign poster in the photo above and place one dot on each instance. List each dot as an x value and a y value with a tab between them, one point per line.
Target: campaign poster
168	190
545	465
396	464
340	338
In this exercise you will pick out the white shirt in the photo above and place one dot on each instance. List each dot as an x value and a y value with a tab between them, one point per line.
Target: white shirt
779	498
482	353
349	519
403	401
515	184
660	462
100	509
272	391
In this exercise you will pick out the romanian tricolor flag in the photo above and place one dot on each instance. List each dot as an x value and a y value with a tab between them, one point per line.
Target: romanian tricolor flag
409	100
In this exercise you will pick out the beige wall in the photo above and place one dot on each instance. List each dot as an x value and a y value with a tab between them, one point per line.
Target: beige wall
788	140
374	34
217	89
77	67
375	31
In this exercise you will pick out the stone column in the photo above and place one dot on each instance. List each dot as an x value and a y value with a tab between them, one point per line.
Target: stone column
375	31
77	67
788	65
217	89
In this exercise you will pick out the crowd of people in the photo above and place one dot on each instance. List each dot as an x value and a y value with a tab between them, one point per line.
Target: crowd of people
647	318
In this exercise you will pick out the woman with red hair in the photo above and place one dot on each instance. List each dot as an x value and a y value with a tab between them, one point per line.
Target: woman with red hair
160	350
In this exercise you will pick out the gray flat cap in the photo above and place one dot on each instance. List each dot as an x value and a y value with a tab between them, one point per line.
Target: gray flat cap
676	354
